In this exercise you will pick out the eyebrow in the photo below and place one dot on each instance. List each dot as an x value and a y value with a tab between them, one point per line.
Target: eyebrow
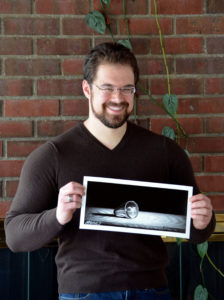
111	85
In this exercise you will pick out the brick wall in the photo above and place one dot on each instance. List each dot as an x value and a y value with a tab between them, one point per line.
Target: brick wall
42	46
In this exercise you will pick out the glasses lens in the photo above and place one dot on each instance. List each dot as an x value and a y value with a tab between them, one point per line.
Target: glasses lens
128	91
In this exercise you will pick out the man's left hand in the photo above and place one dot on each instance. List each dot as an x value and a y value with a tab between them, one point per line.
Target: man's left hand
201	211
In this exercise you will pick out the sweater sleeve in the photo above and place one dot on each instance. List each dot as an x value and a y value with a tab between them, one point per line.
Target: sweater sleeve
31	221
181	172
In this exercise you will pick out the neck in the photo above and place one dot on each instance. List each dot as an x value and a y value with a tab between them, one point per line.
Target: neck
109	137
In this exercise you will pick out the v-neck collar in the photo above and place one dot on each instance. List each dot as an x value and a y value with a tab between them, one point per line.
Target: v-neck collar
96	141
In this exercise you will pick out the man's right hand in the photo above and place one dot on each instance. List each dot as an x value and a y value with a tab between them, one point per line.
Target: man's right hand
69	199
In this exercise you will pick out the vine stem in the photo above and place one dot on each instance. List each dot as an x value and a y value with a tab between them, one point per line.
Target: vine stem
164	109
126	19
211	262
162	47
107	22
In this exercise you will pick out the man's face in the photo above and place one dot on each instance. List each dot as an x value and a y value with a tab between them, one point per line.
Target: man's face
112	108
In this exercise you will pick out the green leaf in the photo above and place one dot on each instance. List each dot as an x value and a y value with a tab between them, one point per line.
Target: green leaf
179	241
200	293
96	21
171	103
169	132
107	2
125	43
202	249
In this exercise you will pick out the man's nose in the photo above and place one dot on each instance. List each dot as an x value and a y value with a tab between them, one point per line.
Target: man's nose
117	95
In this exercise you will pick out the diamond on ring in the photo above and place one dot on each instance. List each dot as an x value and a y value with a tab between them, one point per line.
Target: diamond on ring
69	198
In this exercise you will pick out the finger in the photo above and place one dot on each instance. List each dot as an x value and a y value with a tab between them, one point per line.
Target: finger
201	204
72	198
201	212
72	187
199	197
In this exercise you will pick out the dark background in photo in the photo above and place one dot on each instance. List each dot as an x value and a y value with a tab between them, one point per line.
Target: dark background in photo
152	199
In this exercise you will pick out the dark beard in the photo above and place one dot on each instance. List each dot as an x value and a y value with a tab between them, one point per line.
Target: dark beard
116	121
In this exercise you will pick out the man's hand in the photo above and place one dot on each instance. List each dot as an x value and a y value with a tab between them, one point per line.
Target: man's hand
201	211
69	199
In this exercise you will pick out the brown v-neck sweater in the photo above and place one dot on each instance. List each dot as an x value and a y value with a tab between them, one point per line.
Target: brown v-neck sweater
88	260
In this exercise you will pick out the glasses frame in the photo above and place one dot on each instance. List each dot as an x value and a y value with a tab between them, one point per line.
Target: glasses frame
115	89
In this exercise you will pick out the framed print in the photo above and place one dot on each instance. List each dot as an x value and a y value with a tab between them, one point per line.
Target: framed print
136	207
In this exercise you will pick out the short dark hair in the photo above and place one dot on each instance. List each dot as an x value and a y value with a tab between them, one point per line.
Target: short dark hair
113	53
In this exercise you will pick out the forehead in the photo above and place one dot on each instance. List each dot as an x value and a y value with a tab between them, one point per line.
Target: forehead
115	74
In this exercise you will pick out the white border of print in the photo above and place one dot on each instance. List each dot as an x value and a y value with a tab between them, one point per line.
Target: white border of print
189	189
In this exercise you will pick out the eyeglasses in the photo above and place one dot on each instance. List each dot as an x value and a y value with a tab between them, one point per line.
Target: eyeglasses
109	90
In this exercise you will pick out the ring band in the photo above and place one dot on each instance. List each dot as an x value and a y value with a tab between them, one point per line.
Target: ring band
69	198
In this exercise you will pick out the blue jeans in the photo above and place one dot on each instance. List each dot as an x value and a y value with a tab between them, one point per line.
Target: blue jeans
146	294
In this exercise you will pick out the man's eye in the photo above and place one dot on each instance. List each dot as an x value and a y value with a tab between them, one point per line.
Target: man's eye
108	89
126	89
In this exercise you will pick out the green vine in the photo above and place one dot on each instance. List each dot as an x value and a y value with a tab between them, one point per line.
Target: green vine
162	47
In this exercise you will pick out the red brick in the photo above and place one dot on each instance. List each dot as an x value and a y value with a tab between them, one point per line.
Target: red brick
139	45
215	7
200	66
32	67
4	207
178	45
15	87
182	86
54	128
190	125
217	202
214	85
200	25
63	46
116	7
146	107
10	168
15	46
211	183
31	108
0	190
214	125
154	66
60	87
215	45
214	163
146	26
173	7
75	27
1	148
206	144
76	7
75	107
15	7
21	149
72	66
196	162
11	187
72	26
31	26
198	105
15	128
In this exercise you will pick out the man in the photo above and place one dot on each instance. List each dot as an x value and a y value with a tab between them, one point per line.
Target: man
96	264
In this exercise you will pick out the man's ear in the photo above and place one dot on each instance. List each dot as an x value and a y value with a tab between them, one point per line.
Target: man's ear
86	88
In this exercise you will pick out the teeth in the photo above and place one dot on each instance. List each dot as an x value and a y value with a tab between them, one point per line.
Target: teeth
115	108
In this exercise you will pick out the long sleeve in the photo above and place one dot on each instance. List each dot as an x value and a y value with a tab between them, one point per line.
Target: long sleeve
31	221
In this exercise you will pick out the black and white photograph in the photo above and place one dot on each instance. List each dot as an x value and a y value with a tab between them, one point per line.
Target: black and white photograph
136	207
